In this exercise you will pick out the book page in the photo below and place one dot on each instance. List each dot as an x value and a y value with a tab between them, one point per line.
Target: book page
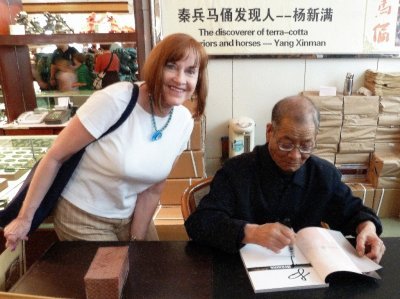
326	254
269	271
363	263
285	279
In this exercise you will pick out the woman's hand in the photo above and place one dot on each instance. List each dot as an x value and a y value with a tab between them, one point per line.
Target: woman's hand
16	231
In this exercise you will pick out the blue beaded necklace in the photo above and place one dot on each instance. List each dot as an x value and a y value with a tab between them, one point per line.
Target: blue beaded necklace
158	133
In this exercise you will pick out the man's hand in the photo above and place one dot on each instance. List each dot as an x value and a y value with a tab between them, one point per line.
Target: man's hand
368	242
17	230
273	236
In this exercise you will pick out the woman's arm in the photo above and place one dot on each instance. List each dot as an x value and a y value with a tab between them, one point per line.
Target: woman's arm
73	138
146	205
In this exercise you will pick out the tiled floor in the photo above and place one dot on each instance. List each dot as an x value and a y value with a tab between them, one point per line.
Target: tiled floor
391	227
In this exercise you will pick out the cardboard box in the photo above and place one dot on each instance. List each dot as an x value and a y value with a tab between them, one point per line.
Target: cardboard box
356	147
169	224
107	273
387	202
389	119
197	138
387	134
363	190
325	104
327	156
360	105
357	134
360	120
387	146
173	190
386	163
190	164
353	158
382	181
328	135
389	104
323	148
331	120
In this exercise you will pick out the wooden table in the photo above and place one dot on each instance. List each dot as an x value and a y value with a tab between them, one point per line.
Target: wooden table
180	269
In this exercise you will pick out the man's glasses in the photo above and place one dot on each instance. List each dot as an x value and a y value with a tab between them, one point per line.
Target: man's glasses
288	147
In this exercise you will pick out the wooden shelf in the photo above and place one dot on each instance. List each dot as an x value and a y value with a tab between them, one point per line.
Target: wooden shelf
76	7
42	39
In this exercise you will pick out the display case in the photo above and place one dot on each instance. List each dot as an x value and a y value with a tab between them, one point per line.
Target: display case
18	154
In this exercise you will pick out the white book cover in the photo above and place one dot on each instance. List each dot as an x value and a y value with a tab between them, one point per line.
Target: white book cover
316	254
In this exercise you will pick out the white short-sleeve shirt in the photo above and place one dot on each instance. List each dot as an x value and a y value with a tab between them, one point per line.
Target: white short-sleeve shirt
122	164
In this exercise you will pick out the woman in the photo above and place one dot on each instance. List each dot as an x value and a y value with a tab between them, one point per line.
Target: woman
115	189
107	58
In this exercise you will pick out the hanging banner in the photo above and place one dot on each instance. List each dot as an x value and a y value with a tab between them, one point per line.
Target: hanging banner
382	26
257	27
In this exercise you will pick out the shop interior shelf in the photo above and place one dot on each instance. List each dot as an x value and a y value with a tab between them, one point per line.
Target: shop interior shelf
38	39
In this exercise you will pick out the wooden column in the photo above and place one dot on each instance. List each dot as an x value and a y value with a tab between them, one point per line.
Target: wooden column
143	32
15	67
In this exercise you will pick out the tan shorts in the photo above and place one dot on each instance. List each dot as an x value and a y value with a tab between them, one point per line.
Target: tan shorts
72	224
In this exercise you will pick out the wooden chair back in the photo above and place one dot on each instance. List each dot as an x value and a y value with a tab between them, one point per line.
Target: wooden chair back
192	196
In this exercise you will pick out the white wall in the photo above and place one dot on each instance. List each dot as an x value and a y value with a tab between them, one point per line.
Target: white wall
251	86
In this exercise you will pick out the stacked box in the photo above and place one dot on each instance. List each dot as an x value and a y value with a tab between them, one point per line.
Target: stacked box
188	169
387	202
169	223
197	138
363	190
331	118
388	131
384	174
174	189
360	119
384	170
190	164
368	150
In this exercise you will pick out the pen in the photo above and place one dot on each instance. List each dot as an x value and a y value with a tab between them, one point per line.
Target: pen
278	267
288	223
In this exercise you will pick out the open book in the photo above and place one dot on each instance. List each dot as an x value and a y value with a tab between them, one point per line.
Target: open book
317	255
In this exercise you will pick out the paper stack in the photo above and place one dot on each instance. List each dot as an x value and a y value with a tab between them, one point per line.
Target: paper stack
382	84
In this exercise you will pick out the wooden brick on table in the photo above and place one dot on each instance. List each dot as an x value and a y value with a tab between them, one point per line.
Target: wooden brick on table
107	273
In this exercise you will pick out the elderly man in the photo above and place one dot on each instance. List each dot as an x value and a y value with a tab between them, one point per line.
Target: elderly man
254	194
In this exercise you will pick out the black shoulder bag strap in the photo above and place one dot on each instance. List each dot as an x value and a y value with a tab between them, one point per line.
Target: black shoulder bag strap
65	172
109	63
127	112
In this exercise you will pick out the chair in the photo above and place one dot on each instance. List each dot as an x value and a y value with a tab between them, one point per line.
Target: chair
192	195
